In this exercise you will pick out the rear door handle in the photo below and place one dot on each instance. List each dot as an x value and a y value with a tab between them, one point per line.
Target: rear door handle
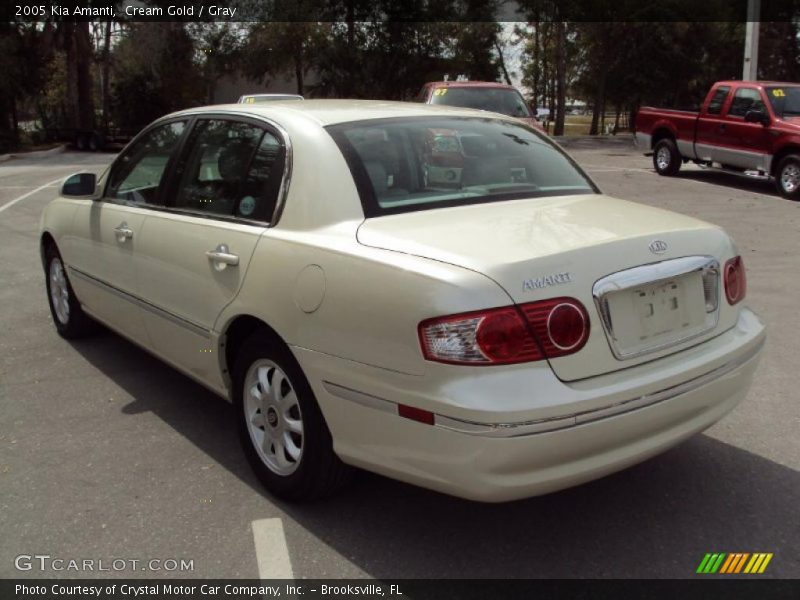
723	128
123	232
221	257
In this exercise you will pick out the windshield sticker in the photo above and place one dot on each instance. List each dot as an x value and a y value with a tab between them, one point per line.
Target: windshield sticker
778	93
247	206
440	92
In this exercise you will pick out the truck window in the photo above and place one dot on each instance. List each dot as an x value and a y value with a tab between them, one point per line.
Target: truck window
746	99
785	100
718	99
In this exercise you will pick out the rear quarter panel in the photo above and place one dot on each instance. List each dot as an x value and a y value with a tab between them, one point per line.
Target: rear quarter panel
323	291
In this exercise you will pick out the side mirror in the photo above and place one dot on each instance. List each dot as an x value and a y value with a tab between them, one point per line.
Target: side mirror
79	185
757	116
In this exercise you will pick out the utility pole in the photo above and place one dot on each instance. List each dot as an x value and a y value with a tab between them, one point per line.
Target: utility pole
750	71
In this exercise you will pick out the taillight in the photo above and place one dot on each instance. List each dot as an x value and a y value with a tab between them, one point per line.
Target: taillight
508	335
735	280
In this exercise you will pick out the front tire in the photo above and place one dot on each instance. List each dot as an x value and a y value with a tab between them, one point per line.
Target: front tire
281	428
787	178
666	158
70	320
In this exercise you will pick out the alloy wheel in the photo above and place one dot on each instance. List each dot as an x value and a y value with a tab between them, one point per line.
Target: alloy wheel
273	415
790	178
663	158
59	291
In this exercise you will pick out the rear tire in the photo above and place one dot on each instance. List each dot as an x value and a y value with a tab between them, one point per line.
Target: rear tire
666	158
70	320
787	177
281	428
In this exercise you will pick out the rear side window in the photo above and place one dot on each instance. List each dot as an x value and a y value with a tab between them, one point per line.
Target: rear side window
137	175
785	100
718	99
746	99
409	164
231	169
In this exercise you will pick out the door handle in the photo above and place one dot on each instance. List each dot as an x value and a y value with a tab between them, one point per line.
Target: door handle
123	232
222	258
723	128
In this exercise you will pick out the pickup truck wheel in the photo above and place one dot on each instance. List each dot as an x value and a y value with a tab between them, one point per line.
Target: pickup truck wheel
666	158
788	177
281	428
70	320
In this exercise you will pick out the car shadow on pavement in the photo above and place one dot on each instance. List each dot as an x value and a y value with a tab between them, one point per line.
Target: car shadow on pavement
657	519
730	180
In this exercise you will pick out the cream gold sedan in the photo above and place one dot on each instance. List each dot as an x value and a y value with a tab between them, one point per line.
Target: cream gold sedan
439	295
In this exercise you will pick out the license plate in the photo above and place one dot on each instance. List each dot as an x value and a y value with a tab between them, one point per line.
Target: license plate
657	314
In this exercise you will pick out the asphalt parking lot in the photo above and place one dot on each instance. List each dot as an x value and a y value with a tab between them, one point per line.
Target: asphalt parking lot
106	453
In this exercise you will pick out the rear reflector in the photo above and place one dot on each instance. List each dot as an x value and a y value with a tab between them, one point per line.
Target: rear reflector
507	335
735	280
415	414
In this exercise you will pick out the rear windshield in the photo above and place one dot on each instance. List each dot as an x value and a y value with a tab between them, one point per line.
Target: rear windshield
410	164
785	100
502	100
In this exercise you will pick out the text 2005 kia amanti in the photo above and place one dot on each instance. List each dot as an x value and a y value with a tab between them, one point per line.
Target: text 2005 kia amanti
439	295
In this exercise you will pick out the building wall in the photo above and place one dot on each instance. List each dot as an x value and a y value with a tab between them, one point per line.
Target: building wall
230	87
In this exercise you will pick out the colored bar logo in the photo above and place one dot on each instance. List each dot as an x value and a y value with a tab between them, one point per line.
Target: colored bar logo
729	563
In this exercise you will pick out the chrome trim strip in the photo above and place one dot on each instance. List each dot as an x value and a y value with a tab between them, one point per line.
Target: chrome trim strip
746	159
193	327
596	414
361	398
643	141
524	428
648	275
685	148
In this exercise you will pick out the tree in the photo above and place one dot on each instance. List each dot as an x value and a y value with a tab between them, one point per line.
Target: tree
273	49
218	48
166	78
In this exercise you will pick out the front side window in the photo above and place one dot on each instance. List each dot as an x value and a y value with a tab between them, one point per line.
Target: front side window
501	100
409	164
718	99
746	99
137	176
785	101
231	169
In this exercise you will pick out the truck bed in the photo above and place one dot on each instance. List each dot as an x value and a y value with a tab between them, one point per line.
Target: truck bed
682	124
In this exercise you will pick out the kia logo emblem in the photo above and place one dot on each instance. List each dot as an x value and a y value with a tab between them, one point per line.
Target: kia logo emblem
658	247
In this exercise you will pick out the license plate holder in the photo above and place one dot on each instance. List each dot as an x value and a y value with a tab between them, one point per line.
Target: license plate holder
658	314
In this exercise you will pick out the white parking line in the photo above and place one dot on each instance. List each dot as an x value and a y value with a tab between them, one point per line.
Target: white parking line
272	553
31	193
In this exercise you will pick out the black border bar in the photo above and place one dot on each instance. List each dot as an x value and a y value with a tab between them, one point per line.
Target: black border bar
410	11
700	588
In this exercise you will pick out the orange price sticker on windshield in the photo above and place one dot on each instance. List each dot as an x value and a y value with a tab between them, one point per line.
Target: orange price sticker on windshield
778	93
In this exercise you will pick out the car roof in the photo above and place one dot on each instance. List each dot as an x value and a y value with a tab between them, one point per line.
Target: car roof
738	82
331	112
484	84
286	95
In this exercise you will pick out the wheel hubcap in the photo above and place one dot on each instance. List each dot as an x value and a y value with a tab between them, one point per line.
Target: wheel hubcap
663	158
59	292
790	178
273	415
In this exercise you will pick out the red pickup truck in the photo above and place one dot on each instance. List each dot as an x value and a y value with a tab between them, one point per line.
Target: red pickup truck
747	127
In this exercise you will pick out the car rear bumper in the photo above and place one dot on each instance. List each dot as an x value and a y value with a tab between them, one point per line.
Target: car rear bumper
643	142
486	459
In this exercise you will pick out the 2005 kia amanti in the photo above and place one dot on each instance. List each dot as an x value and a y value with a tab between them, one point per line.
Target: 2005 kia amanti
439	295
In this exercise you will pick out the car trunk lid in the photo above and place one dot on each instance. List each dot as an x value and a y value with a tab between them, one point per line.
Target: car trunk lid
561	246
